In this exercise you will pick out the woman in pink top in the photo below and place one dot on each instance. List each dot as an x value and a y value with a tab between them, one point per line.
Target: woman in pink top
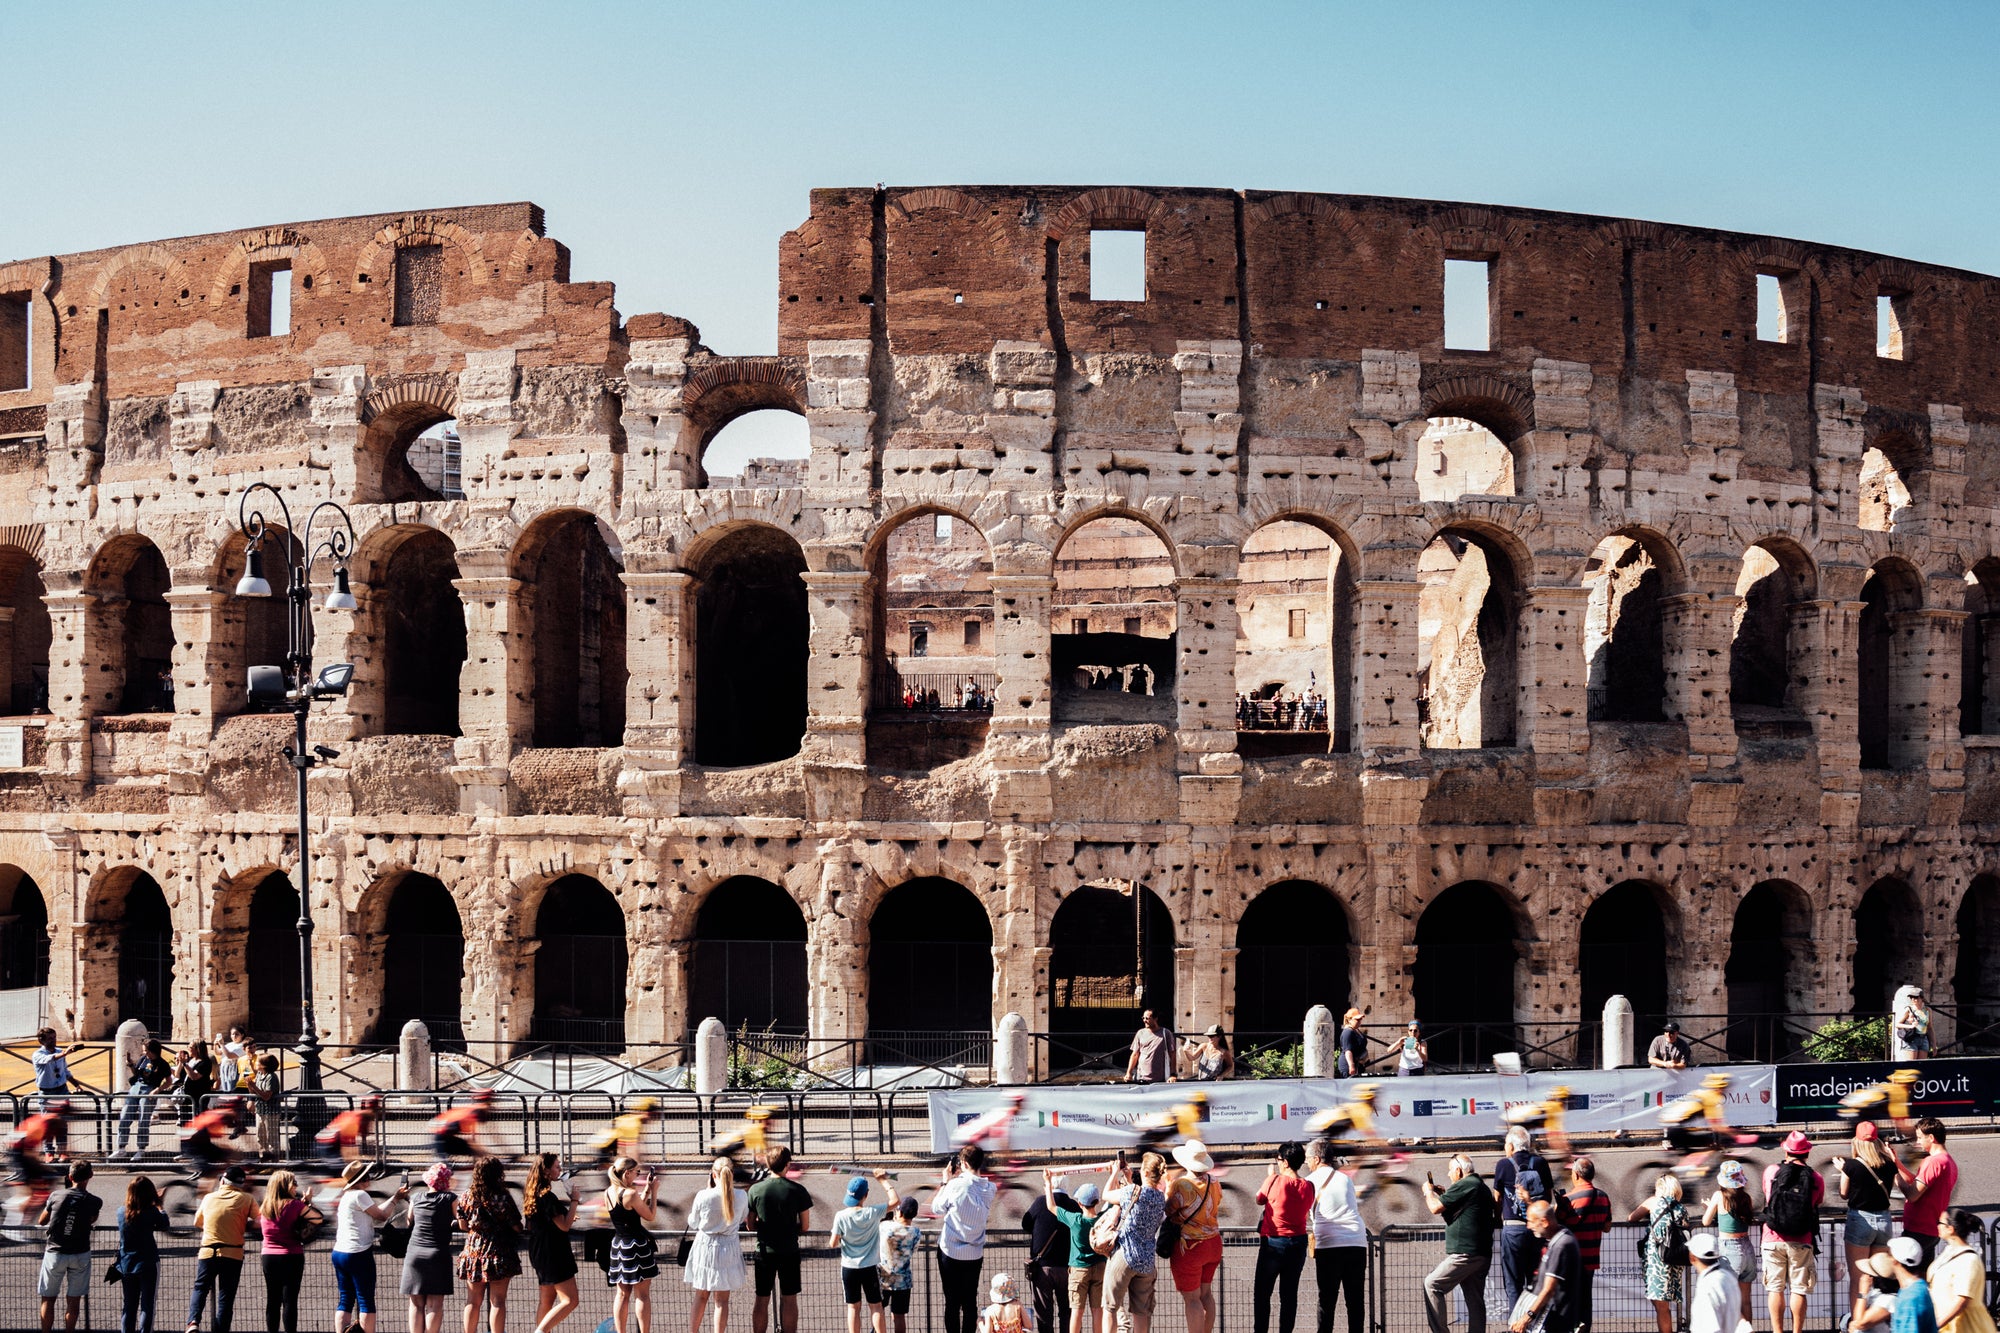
1287	1198
284	1261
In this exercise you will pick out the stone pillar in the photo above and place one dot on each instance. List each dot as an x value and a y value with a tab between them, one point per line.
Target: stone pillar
1321	1042
1618	1048
1022	424
80	638
496	684
489	419
1385	666
711	1057
209	676
1925	661
1205	673
7	658
838	391
1697	627
129	1048
1011	1051
841	608
659	691
836	961
1017	739
1554	716
1823	641
413	1057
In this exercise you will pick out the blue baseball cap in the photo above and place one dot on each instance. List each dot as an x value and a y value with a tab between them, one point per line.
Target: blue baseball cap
857	1188
1088	1196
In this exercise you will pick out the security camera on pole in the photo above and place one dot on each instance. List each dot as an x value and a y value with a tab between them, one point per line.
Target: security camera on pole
294	688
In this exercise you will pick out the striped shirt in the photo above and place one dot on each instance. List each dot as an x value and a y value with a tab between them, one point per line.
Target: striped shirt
1587	1213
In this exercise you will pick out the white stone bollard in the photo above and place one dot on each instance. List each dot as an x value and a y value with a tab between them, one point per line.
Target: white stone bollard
130	1045
711	1057
414	1056
1010	1051
1618	1048
1322	1043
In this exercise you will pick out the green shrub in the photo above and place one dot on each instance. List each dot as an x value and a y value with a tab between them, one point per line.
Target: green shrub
1850	1039
760	1069
1275	1062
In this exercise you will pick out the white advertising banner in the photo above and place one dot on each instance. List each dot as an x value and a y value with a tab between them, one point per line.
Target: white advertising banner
1275	1109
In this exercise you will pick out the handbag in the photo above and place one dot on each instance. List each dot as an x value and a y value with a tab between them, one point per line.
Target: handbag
395	1240
684	1248
113	1274
1170	1230
1522	1305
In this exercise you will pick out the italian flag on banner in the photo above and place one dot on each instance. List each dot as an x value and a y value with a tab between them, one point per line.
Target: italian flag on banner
1044	1119
1468	1107
1278	1112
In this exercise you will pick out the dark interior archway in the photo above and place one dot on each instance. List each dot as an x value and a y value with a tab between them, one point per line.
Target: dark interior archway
1979	647
752	636
1768	975
579	628
265	632
271	959
423	962
1773	577
1975	981
423	634
24	931
1463	987
1622	950
25	637
580	965
1627	679
130	578
930	970
1888	945
146	957
1292	948
1881	713
1111	957
749	959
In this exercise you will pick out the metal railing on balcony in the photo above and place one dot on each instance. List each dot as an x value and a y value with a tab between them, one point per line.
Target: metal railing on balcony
916	692
1281	715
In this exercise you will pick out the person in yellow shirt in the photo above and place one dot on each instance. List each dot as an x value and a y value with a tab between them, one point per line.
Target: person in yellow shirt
223	1214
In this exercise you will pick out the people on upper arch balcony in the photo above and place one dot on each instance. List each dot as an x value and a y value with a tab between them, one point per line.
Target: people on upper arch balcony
1210	1058
1413	1053
1353	1057
1669	1050
1910	1025
1153	1047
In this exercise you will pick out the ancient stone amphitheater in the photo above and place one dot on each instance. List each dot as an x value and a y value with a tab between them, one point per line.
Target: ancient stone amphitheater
1288	651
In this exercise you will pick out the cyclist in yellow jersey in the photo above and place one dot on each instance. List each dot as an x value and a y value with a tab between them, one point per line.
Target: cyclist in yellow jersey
1187	1120
1545	1116
1891	1096
750	1136
626	1136
1356	1118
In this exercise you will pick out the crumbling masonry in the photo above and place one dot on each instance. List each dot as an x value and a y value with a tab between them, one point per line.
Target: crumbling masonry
1703	680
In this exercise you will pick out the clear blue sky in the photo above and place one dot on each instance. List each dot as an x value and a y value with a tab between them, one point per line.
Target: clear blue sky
671	144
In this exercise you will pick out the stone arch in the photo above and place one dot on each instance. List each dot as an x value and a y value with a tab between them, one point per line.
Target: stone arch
1113	645
1979	647
1467	980
752	639
394	417
1295	631
747	959
128	905
1630	574
933	666
412	923
270	245
26	632
413	622
574	598
1498	405
1114	206
250	631
131	260
1769	971
374	266
1295	948
127	581
1629	943
1975	978
582	959
1890	667
1888	945
24	930
721	391
1111	957
930	972
1776	576
1469	613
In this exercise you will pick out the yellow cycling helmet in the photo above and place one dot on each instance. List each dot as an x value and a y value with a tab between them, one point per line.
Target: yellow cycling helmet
1716	1081
1904	1076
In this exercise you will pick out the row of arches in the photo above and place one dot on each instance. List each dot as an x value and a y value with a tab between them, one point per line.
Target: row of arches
930	960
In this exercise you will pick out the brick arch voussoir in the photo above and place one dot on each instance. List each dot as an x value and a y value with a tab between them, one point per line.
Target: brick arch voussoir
1269	211
962	206
1638	234
263	246
1777	256
1512	408
173	274
436	390
418	229
1897	276
1118	205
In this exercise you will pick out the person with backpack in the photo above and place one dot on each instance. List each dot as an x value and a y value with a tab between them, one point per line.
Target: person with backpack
1793	1192
1086	1265
67	1218
1048	1259
1664	1249
1522	1177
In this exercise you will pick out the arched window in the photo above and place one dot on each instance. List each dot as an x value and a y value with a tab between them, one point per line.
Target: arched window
410	452
1292	948
1888	946
578	616
934	674
25	633
256	629
752	635
580	965
1294	641
749	960
1624	638
1464	985
1623	950
422	623
1775	576
1111	958
423	963
1883	493
1979	674
1975	981
930	971
271	959
1769	972
1890	668
1457	456
1468	619
146	957
129	581
767	447
24	931
1112	647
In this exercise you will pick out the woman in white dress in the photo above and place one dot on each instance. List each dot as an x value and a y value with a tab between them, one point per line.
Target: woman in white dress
715	1256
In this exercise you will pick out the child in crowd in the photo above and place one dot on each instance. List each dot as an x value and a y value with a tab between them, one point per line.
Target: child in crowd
265	1088
1006	1314
857	1229
900	1237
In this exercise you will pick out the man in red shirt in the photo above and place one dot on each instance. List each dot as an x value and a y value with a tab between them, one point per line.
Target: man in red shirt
1586	1211
1927	1190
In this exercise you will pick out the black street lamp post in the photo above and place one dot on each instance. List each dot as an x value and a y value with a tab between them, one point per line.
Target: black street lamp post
294	688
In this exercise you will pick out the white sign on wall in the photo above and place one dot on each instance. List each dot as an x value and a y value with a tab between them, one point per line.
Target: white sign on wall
13	746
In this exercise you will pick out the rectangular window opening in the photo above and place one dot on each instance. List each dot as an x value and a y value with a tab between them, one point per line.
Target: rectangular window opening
270	300
419	284
1117	265
17	323
972	634
1468	305
1891	320
944	529
1079	625
1772	326
1131	624
1298	622
920	640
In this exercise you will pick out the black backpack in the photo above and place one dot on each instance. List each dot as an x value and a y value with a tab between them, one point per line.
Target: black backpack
1790	1211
